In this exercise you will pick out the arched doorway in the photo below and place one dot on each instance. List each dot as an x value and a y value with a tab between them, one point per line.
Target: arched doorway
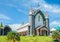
43	31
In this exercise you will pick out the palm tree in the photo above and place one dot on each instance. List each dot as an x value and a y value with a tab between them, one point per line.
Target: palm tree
13	36
56	35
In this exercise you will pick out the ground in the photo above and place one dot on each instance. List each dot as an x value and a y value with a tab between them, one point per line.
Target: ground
30	39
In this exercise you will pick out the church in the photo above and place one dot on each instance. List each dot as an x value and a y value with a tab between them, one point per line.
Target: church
38	24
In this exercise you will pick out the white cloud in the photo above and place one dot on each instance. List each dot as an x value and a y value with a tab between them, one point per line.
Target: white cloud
43	4
11	5
54	23
47	7
22	11
14	27
52	8
37	1
56	10
4	17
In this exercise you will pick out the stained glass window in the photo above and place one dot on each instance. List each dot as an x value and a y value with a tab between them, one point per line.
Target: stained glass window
39	18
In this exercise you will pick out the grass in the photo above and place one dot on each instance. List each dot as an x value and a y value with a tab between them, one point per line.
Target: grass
3	38
30	39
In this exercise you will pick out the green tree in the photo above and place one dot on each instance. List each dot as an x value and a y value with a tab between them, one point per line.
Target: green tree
13	36
39	18
1	28
1	25
56	35
7	29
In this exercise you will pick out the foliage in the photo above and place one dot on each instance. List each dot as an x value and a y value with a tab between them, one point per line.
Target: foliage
1	25
56	35
30	39
36	39
33	35
13	36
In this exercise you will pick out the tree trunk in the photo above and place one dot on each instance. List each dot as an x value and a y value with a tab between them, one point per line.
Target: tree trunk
13	40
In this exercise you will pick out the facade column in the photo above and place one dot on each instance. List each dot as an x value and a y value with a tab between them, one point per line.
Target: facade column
40	32
37	32
28	33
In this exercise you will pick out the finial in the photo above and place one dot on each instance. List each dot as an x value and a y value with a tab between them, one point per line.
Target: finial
38	7
31	10
46	14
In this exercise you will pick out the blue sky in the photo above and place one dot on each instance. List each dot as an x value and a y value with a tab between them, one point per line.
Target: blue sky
17	11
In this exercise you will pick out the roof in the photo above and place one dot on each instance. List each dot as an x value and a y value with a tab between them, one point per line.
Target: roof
40	27
23	29
24	25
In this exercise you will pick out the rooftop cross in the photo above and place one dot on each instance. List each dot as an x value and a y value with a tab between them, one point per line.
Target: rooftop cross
38	6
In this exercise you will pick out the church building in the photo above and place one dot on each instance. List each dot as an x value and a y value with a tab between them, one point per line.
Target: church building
38	23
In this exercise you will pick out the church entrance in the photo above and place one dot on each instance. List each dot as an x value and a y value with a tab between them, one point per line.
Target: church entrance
44	33
41	31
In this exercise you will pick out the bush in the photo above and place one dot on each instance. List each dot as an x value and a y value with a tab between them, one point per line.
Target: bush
33	35
13	36
56	35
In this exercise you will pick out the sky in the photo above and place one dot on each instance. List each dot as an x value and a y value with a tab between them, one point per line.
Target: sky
14	12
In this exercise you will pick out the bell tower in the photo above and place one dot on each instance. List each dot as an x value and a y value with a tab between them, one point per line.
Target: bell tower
47	20
31	21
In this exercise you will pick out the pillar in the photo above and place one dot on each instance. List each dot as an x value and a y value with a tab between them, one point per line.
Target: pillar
37	32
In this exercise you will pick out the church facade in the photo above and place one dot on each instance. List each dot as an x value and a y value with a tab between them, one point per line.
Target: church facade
38	23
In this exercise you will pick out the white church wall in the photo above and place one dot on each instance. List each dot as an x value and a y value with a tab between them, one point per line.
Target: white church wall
38	21
23	29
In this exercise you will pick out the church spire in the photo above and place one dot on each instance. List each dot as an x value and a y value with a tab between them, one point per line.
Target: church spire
46	14
38	6
31	10
47	20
